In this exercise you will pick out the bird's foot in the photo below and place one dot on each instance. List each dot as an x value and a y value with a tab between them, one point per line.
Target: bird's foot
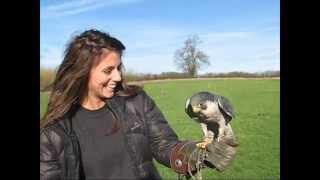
204	144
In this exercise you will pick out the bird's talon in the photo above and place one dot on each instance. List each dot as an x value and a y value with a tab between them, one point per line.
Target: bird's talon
218	139
202	145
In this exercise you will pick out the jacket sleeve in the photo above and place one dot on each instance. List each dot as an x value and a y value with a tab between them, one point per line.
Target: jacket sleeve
161	137
50	167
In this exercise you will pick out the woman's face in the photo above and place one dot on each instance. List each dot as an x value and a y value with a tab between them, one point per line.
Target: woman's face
105	75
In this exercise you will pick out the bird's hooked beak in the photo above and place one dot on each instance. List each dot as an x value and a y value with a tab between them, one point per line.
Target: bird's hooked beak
196	109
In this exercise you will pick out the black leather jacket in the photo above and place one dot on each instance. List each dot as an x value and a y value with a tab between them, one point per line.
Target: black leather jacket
147	133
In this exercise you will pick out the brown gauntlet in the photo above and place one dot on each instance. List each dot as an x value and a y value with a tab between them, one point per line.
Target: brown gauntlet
220	155
185	155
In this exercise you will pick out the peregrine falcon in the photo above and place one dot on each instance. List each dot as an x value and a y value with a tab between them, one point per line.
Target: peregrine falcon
213	112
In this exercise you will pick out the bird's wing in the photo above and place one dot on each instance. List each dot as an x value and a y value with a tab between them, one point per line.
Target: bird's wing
230	137
187	103
188	109
228	131
226	106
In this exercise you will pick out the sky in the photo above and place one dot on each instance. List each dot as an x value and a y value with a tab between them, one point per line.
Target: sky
237	35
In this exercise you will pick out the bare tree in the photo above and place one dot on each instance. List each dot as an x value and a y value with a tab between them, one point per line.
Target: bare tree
189	58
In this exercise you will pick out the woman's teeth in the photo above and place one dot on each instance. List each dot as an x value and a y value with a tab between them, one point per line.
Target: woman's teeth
111	87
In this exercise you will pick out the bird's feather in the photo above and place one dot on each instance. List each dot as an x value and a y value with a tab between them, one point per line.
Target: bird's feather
226	106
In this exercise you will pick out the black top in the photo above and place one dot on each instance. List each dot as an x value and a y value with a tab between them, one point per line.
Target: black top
103	155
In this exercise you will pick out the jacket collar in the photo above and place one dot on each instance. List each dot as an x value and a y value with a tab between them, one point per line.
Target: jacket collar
117	105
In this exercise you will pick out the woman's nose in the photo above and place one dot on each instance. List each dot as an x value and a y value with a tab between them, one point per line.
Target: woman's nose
116	76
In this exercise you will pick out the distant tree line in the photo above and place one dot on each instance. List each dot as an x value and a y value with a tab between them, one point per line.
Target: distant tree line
243	74
47	76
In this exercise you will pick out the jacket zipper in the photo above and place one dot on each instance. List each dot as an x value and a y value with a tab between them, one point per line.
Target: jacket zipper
134	166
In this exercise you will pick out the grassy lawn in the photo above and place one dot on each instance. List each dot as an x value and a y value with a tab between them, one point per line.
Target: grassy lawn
257	122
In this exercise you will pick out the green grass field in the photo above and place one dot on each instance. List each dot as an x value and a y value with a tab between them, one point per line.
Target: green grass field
257	122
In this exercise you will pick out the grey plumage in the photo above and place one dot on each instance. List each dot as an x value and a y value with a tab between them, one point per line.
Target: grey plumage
214	113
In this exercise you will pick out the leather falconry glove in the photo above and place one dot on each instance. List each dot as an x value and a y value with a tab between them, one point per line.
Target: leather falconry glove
217	155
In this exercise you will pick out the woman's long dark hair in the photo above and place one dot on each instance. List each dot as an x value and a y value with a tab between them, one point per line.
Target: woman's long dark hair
70	84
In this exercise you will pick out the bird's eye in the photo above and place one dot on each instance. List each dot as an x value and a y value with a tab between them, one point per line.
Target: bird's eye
203	106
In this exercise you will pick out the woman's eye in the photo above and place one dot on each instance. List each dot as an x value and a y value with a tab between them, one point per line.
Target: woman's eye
119	67
107	71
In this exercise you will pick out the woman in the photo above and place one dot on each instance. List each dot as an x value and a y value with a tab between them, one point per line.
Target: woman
97	127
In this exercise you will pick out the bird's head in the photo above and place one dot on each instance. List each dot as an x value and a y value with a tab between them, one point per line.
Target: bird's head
198	103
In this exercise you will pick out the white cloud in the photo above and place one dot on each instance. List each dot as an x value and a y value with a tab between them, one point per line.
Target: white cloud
78	6
150	63
228	51
241	51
